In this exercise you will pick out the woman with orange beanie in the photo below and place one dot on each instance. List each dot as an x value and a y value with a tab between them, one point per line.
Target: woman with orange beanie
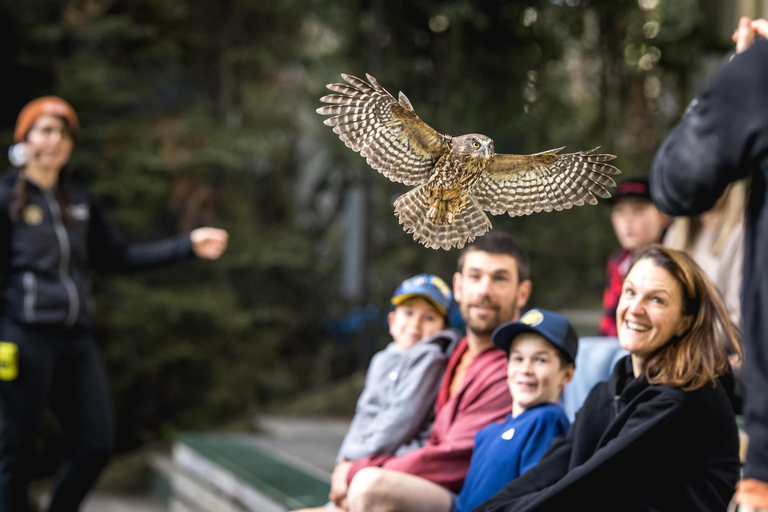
52	232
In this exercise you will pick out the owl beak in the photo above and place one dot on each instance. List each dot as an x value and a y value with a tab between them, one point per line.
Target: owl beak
487	151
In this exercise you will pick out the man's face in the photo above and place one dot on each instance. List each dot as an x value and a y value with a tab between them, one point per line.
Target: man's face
488	292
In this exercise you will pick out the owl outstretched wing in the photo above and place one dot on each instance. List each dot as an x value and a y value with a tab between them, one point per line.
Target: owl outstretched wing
387	132
546	181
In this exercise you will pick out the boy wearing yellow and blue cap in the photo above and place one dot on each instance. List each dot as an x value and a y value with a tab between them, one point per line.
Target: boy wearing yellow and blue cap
394	411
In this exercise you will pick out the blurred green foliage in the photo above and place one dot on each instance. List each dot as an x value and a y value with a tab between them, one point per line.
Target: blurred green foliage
202	113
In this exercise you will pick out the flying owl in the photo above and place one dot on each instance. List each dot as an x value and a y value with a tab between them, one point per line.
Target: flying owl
457	177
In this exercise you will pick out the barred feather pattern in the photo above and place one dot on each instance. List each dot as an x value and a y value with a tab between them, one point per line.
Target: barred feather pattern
469	223
526	184
387	132
457	177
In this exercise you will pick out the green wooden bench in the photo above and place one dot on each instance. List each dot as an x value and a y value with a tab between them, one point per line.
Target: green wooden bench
236	469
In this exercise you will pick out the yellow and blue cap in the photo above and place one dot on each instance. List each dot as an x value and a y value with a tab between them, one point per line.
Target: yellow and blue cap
425	286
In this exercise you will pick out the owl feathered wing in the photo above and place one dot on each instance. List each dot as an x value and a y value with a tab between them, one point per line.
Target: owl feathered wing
387	132
469	223
546	181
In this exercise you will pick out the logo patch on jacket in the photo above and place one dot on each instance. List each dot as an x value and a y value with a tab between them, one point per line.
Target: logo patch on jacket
508	434
79	211
32	214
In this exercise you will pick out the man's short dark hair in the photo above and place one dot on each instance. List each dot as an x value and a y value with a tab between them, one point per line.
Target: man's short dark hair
499	242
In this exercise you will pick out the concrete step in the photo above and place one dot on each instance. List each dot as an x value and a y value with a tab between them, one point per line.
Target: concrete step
310	443
101	501
110	502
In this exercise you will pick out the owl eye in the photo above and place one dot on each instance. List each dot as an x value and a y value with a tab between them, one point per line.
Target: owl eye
475	144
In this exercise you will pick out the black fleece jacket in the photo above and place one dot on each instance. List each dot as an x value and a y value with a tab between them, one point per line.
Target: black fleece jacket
45	261
634	447
722	138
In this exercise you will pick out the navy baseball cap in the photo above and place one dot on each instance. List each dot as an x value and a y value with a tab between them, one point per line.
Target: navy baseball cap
554	327
425	286
638	188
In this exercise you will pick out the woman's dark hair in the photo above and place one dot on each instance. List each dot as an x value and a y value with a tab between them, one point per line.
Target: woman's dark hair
700	355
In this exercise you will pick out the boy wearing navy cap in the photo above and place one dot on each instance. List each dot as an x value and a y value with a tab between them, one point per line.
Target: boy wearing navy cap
394	410
542	348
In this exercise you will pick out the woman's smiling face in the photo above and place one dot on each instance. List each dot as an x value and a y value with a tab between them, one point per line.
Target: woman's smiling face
49	142
650	311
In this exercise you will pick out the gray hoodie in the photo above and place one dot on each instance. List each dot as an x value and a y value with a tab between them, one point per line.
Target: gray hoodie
396	408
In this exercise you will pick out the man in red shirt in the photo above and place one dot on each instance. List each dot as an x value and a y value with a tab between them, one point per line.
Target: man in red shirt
491	286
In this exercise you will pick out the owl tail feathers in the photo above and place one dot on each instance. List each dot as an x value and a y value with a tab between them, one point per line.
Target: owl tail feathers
468	223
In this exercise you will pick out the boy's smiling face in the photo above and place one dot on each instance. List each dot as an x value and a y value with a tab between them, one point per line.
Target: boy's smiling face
413	320
535	372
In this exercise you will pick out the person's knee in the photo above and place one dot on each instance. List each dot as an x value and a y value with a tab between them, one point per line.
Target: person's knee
368	491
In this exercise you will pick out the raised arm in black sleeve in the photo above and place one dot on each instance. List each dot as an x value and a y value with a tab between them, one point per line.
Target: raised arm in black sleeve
108	250
721	138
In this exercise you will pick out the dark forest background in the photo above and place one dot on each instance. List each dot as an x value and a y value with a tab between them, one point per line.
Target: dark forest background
203	113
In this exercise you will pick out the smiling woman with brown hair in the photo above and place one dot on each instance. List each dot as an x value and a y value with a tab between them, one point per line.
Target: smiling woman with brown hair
660	434
675	355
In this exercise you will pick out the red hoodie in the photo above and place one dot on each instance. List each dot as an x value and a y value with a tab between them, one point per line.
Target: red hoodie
483	398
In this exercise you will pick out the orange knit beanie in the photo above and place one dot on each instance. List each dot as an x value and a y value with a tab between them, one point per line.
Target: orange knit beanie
45	105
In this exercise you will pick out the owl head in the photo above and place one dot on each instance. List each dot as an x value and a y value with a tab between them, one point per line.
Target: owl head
474	146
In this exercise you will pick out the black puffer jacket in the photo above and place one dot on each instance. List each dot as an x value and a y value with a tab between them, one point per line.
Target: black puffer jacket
635	447
44	261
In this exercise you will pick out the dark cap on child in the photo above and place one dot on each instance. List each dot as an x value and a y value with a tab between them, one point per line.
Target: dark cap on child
636	188
554	327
